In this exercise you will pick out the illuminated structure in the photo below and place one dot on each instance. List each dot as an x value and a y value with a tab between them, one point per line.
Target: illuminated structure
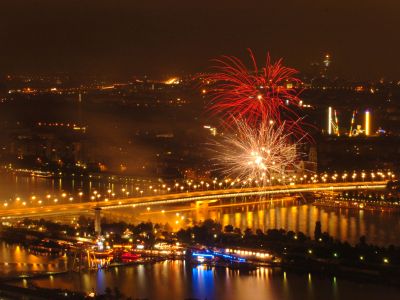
327	60
336	124
367	123
330	120
333	122
174	80
203	255
352	122
325	65
245	188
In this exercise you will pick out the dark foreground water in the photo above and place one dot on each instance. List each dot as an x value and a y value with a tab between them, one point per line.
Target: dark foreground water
175	280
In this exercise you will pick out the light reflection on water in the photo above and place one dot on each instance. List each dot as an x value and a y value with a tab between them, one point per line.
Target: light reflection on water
382	228
175	280
347	225
12	186
178	280
15	260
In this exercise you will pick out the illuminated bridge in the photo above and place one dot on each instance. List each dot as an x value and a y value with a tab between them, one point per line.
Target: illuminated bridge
77	208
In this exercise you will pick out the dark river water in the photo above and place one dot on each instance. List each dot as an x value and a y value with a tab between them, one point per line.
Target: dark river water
382	228
12	186
176	280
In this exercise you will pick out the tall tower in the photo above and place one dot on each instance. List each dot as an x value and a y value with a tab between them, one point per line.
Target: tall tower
325	65
80	118
352	122
327	60
330	120
367	123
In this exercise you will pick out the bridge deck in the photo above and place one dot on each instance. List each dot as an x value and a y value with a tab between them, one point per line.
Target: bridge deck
76	208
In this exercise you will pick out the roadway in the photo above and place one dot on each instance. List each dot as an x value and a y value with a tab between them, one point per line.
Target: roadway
85	207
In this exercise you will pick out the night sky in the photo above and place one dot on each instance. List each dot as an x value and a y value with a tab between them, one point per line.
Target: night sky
161	38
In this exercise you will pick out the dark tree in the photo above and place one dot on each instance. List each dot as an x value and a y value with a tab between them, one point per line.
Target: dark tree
317	231
228	228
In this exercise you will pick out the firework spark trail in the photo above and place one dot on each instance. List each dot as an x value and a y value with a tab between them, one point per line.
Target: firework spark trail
255	94
262	153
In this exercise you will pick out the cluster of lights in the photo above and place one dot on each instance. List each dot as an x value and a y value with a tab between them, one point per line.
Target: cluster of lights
193	186
385	260
247	253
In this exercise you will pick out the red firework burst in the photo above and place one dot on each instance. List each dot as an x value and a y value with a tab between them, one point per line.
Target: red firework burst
254	94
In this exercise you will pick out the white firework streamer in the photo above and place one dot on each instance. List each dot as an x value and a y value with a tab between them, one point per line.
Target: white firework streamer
257	153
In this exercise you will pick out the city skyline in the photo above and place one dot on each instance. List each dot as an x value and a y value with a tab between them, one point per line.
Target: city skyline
157	38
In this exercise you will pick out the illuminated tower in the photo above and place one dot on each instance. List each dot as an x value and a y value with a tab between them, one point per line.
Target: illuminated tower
325	65
336	124
367	123
80	119
352	122
327	60
329	120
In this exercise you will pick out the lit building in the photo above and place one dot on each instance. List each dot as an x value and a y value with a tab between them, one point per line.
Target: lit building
367	123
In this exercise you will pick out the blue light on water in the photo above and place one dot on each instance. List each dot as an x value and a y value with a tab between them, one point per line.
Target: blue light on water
203	255
218	254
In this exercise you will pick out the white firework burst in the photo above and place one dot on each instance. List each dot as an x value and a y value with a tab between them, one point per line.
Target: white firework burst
259	153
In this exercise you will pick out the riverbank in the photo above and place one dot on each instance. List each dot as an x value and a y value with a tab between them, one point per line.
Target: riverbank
177	280
287	249
359	205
